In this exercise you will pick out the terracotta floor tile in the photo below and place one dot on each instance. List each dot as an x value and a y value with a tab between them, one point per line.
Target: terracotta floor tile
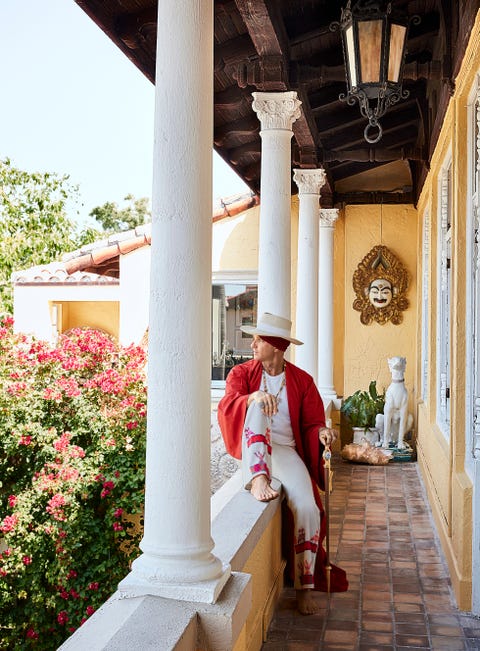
345	637
411	628
451	631
376	638
417	641
448	643
400	595
378	625
377	604
300	634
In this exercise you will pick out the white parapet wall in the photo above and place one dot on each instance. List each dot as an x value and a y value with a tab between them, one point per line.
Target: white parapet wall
247	535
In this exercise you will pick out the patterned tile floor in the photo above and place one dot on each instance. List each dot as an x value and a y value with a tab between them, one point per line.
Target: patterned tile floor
400	595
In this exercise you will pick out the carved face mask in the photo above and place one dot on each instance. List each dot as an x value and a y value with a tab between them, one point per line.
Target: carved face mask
380	292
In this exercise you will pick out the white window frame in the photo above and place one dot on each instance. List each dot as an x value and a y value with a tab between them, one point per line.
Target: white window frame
472	320
425	305
444	295
472	324
230	278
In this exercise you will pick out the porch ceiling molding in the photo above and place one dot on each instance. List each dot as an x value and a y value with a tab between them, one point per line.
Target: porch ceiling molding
287	45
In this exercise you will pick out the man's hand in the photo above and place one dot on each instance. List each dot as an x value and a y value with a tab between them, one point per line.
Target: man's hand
266	401
327	435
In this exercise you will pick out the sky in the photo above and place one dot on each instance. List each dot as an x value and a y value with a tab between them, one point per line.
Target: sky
72	103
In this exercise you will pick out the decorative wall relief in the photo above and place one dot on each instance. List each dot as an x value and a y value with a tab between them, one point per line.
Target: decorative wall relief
380	282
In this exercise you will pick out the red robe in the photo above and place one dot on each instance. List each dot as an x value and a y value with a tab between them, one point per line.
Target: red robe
306	416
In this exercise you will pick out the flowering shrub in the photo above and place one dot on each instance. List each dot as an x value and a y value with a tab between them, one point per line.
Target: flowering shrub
72	460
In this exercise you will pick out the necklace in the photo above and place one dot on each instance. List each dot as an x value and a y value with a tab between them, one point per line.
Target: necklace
265	388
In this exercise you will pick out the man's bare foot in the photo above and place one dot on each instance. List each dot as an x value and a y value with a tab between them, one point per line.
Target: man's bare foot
261	489
305	603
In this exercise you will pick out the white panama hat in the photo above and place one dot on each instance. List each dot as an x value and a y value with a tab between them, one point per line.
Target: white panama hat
271	325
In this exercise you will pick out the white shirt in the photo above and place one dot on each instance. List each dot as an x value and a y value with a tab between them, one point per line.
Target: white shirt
280	425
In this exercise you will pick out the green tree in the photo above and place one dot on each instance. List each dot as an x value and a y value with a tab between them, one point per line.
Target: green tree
113	218
34	226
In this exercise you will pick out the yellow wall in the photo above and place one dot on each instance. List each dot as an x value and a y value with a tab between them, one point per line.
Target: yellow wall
240	251
364	349
441	459
266	567
100	315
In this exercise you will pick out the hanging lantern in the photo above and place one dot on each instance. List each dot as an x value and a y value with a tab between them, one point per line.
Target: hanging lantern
374	49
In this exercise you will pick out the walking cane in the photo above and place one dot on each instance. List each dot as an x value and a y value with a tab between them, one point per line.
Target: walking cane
327	455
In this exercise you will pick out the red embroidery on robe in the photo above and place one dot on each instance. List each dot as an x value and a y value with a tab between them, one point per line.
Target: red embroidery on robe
258	438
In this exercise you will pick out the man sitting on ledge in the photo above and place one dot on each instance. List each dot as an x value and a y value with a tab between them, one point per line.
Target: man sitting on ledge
272	417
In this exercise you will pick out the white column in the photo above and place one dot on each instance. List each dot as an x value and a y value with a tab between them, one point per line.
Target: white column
309	183
328	217
177	561
276	112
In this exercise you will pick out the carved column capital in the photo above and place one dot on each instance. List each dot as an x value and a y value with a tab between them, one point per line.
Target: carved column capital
276	110
309	181
328	217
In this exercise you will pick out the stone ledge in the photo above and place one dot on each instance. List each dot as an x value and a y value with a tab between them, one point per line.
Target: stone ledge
238	526
154	623
139	623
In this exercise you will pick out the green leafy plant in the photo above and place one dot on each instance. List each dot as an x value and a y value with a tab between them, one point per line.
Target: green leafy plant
34	225
72	454
362	407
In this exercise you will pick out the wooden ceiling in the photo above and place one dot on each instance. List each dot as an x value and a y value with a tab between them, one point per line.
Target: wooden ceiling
279	45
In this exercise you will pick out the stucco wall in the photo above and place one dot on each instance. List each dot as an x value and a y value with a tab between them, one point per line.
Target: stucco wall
100	315
33	308
444	458
367	347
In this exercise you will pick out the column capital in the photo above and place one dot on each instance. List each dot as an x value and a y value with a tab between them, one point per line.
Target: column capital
276	110
309	181
328	217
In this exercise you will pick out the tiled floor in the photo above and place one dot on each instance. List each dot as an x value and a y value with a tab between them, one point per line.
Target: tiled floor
400	595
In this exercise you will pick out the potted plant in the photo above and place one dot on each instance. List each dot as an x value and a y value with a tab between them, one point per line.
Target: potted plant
361	409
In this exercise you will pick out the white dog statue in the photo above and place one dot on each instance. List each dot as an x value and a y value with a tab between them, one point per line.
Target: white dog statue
395	421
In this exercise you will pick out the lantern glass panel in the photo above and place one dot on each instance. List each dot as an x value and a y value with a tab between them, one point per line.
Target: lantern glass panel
397	40
351	56
370	46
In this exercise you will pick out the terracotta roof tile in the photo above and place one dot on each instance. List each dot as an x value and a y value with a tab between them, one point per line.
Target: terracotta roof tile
234	205
93	257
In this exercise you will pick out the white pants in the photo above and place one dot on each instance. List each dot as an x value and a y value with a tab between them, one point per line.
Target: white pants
262	457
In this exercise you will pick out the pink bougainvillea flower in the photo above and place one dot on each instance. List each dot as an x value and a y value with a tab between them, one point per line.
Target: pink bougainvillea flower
62	617
52	394
32	634
69	386
9	523
17	388
117	513
90	610
108	486
117	526
25	440
63	442
26	560
93	585
55	507
12	500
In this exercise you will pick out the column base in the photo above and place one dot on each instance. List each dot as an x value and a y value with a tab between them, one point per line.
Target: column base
138	585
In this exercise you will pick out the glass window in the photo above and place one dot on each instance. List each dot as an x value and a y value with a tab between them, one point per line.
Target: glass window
233	305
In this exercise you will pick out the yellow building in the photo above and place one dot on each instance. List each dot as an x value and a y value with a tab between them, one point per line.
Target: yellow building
423	214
